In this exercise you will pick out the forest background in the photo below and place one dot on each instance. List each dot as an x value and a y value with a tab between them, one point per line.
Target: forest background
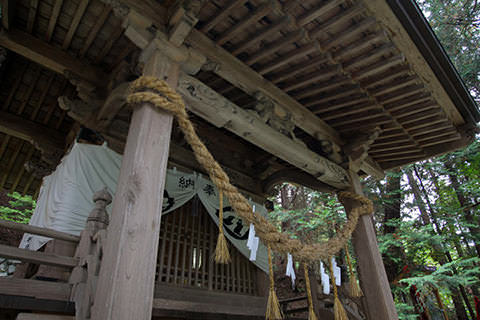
427	214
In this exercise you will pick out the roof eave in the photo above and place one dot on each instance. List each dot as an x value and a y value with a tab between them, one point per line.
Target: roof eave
419	30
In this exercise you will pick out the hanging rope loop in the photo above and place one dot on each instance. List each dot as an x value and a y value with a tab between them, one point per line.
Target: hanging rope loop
158	93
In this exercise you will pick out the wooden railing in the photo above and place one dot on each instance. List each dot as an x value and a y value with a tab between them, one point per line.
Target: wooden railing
37	257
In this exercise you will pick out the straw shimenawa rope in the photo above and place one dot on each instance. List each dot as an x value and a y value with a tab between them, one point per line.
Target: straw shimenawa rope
157	92
221	251
273	305
338	310
311	310
354	288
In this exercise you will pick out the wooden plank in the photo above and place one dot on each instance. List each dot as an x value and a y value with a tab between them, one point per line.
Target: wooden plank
53	19
39	231
177	248
197	247
299	68
205	258
11	163
108	45
287	58
245	78
211	245
186	231
212	107
39	135
126	280
265	33
32	14
222	14
373	278
274	46
245	22
317	11
82	6
8	13
37	257
163	240
50	57
357	28
173	225
100	21
35	316
22	169
35	288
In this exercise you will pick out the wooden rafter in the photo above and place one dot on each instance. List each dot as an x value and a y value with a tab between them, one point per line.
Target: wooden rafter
32	14
100	21
257	14
50	57
108	45
53	19
8	13
82	6
222	14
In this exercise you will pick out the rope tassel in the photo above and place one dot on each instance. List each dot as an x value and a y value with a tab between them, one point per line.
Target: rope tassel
311	310
339	311
221	251
273	306
354	288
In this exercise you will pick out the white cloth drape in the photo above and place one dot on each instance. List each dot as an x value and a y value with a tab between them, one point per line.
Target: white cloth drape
65	198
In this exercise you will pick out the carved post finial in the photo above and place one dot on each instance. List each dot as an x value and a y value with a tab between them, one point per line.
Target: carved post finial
98	218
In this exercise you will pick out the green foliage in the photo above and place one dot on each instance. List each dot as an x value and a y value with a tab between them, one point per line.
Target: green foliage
20	208
463	272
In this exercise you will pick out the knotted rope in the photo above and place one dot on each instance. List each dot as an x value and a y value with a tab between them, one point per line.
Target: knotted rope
159	94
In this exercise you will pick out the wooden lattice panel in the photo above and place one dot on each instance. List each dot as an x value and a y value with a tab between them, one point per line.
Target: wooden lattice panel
188	237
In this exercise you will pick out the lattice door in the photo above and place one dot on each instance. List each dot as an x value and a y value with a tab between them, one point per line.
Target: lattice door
186	254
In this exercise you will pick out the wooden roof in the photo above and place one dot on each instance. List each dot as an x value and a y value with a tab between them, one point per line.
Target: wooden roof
343	68
338	60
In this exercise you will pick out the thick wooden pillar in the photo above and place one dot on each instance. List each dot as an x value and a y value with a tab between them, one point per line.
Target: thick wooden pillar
127	274
372	275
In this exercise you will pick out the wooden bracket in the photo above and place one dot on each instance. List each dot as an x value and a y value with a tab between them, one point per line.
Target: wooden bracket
183	18
357	149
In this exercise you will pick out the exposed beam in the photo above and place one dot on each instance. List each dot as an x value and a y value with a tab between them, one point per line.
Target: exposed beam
242	76
216	109
82	6
42	137
50	57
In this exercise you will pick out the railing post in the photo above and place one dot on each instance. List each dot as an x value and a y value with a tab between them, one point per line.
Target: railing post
89	251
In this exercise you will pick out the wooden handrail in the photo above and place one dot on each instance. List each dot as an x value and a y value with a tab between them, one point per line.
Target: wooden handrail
37	257
39	231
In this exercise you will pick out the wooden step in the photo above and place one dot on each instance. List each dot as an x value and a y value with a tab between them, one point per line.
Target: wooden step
37	316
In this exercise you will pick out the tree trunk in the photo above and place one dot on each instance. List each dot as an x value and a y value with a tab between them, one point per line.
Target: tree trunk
392	211
464	203
456	293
